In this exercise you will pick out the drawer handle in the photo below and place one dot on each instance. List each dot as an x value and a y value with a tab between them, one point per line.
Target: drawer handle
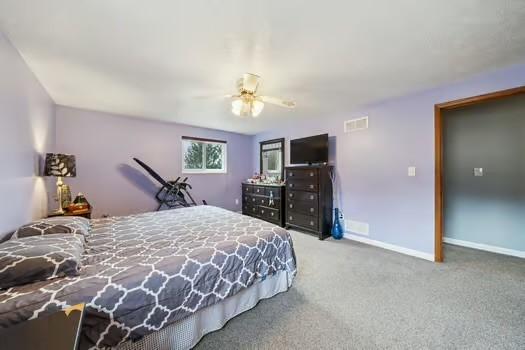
262	200
291	174
311	223
312	197
290	195
312	210
262	211
291	185
253	199
272	214
311	186
291	218
311	174
253	209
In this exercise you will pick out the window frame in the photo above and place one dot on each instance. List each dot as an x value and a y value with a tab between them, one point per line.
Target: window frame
204	170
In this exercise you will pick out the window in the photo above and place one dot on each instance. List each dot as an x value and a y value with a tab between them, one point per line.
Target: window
202	156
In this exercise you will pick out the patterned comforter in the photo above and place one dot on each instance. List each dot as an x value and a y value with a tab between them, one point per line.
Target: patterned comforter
143	272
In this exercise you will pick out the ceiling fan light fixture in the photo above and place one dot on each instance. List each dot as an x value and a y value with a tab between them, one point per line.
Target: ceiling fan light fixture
247	103
237	106
244	107
257	107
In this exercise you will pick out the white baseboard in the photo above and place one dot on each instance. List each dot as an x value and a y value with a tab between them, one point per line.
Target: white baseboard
486	247
389	246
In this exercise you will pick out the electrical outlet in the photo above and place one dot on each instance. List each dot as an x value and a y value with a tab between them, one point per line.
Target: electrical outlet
236	201
341	215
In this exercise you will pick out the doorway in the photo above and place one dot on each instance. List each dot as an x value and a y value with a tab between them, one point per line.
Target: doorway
440	112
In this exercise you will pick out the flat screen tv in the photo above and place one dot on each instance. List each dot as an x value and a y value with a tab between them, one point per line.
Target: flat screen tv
309	150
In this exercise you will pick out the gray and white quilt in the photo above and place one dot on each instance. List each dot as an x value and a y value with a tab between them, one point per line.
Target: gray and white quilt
142	272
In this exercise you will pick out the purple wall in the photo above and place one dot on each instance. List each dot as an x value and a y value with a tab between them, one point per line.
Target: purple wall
105	143
372	165
26	132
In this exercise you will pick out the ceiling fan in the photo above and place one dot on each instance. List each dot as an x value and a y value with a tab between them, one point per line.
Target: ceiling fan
247	103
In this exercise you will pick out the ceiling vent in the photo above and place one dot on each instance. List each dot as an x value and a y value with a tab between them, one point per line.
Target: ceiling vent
356	124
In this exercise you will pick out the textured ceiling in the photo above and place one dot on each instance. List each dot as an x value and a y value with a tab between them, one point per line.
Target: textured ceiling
157	59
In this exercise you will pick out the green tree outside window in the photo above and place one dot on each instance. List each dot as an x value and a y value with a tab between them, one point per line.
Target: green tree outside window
202	156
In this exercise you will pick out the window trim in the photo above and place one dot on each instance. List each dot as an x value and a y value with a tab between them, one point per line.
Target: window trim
203	170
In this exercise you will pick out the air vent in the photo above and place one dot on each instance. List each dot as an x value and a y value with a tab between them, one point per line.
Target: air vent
356	124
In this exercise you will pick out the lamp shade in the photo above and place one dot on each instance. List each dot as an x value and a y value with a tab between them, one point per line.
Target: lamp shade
60	165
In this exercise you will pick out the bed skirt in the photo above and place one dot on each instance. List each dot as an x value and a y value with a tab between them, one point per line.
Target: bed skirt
186	333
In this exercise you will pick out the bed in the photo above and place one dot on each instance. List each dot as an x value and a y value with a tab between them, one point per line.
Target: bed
163	279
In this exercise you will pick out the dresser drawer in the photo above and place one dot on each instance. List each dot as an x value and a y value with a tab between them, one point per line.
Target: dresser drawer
263	212
273	215
276	191
307	208
247	189
250	210
309	222
301	174
246	198
259	190
302	196
260	200
302	185
276	203
253	210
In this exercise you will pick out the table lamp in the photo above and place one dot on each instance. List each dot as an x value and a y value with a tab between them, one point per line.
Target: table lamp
60	165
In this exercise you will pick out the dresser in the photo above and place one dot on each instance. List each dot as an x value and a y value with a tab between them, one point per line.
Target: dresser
308	204
265	202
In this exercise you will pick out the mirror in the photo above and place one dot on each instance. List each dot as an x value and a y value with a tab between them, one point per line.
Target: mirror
272	159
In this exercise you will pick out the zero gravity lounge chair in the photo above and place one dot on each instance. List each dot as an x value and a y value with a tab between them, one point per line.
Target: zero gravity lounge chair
172	194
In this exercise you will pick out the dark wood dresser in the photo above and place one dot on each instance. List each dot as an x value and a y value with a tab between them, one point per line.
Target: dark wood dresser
309	199
265	202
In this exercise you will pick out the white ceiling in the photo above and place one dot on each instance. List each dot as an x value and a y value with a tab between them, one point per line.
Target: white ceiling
156	59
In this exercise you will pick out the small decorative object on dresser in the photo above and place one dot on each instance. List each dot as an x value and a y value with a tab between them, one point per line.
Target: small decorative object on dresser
309	199
264	201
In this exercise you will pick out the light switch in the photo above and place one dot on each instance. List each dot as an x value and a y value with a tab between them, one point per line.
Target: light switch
411	171
478	171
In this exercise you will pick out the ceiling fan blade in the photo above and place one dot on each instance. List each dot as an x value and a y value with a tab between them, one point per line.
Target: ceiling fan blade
250	82
277	101
213	97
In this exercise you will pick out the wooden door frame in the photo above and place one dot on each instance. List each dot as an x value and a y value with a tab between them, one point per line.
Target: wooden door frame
438	127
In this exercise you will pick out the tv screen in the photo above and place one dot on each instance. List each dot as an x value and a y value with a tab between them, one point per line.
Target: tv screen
313	149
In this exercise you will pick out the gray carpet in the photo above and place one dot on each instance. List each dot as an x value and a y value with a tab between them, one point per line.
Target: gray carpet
349	295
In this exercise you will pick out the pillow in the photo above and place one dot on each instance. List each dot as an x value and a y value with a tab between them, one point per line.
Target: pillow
78	220
39	258
63	224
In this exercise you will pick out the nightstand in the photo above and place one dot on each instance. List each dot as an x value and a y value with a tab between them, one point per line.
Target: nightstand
58	331
84	213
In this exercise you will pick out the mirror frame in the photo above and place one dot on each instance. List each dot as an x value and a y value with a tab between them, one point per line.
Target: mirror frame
261	144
